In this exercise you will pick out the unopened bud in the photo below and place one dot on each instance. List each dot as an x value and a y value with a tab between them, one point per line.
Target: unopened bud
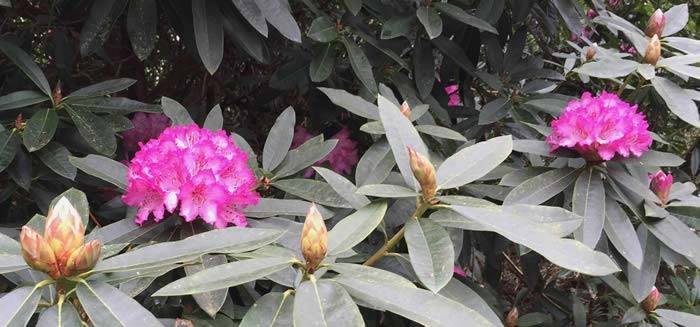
406	110
314	239
590	52
652	300
512	317
661	185
19	122
64	230
83	258
653	53
656	23
57	94
37	252
424	172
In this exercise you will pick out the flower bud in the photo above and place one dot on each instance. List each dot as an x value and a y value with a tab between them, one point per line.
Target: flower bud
406	110
37	252
64	230
314	239
424	172
57	94
652	300
83	258
512	317
653	53
656	23
591	13
661	185
590	52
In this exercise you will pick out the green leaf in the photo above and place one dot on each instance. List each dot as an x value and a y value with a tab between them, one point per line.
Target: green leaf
552	106
567	253
273	309
354	228
375	165
472	163
343	187
215	119
268	207
279	139
608	68
101	89
462	294
360	65
431	252
387	191
588	201
324	303
208	33
677	100
161	254
278	15
401	134
113	105
25	62
68	317
122	231
107	306
8	148
102	167
20	99
423	67
304	156
419	305
119	123
441	132
322	63
18	306
657	159
176	112
40	129
322	30
8	245
11	262
98	24
142	26
677	236
312	190
371	274
78	200
430	20
460	15
95	130
677	18
642	279
494	111
354	6
682	318
351	103
224	276
252	13
621	233
542	187
212	301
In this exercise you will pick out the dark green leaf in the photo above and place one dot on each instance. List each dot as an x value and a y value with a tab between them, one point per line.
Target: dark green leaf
472	163
387	191
107	306
621	233
17	307
102	88
460	15
360	65
119	123
643	279
322	30
312	190
589	202
542	187
430	20
252	13
677	18
68	316
40	129
352	103
215	119
305	155
11	262
324	303
494	111
20	99
677	100
273	309
441	132
142	24
682	318
25	62
279	139
8	148
278	15
677	236
354	6
98	24
608	68
176	112
322	63
355	228
431	252
212	301
94	130
423	67
103	168
113	105
268	207
208	33
375	165
343	187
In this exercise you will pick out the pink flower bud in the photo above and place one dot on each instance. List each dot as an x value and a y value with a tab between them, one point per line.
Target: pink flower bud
64	230
314	239
653	53
37	252
424	172
661	185
656	23
652	300
83	258
512	317
591	13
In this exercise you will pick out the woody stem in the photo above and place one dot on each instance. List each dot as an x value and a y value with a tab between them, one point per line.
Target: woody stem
389	245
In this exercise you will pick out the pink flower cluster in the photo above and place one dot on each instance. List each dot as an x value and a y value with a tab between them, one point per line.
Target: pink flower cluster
625	47
200	171
455	99
343	157
146	127
601	127
661	185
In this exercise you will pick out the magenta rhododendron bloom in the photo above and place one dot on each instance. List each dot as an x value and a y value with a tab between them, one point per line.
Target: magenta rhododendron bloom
194	169
146	127
601	127
341	159
661	185
459	271
455	99
591	13
624	47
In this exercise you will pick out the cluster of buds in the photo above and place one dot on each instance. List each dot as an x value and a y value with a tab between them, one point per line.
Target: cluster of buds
424	172
653	52
656	23
512	317
652	300
405	110
61	251
314	239
661	185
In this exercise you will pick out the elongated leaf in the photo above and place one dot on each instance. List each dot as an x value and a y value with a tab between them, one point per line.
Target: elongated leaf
122	231
279	139
371	274
102	167
102	88
567	253
215	119
273	309
305	155
494	111
621	233
113	105
642	279
589	202
460	15
67	317
314	191
40	129
107	306
11	262
99	23
462	294
322	30
21	99
423	67
677	100
324	303
208	33
351	103
419	305
608	68
360	65
472	163
268	207
224	276
430	20
441	132
683	318
8	148
542	187
141	23
277	12
161	254
212	301
386	191
343	187
17	307
24	62
431	252
355	228
176	112
322	63
677	18
95	130
252	13
375	165
677	236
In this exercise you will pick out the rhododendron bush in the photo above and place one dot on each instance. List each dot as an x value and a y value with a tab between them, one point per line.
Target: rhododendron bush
349	163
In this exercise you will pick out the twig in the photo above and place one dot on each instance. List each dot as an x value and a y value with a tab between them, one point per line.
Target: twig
94	219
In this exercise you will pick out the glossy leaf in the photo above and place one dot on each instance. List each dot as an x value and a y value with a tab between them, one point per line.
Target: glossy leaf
215	119
94	130
387	191
68	316
589	202
314	191
441	132
423	67
312	151
8	148
25	62
101	88
273	309
40	129
102	167
682	318
642	279
176	112
20	99
322	30
96	28
360	65
268	207
113	105
322	64
18	306
142	24
472	163
620	232
279	139
212	301
608	68
324	303
431	252
354	228
462	294
542	187
208	33
252	13
351	103
375	165
676	19
677	100
460	15
278	14
430	20
343	187
107	306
